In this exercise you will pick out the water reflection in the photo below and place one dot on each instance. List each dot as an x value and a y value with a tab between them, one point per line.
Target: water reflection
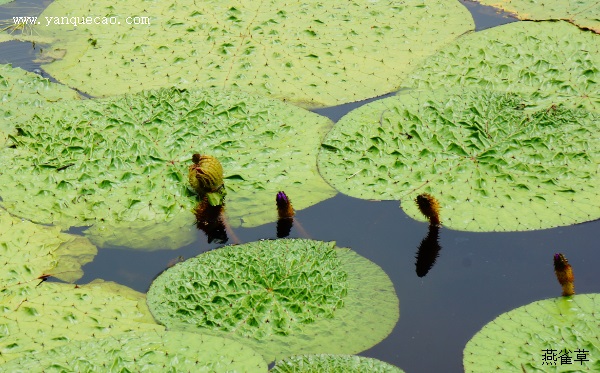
428	251
284	227
210	220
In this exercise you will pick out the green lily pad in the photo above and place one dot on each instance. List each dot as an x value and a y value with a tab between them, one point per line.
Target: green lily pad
172	233
30	251
314	53
494	161
585	14
280	297
23	94
122	163
5	37
332	364
144	351
556	61
519	339
37	318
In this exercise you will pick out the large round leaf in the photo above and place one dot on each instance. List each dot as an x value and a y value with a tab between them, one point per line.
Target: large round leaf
36	318
281	297
311	52
122	163
22	94
494	161
540	337
585	14
553	60
332	364
156	351
29	251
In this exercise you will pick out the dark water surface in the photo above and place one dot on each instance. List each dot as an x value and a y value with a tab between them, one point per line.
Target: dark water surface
477	276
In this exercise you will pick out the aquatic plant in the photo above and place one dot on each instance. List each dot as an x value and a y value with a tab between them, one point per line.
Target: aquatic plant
30	251
285	211
40	317
494	161
555	62
206	178
151	351
581	13
281	297
313	53
23	94
564	274
284	206
121	164
533	337
324	363
430	207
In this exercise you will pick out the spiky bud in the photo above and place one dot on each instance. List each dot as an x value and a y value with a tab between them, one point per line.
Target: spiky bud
284	206
564	274
206	177
429	207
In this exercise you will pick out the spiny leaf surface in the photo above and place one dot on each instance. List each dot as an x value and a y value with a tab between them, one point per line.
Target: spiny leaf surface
281	297
28	251
312	52
494	161
517	339
585	14
122	163
36	318
555	61
144	351
22	94
332	364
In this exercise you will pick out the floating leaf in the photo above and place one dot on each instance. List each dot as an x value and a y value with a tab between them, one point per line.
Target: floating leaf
312	52
29	251
5	37
581	13
37	318
122	163
280	297
494	161
518	339
144	351
555	61
332	364
22	95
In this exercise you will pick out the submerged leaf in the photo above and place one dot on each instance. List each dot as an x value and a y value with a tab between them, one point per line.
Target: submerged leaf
121	163
281	297
492	164
312	52
536	334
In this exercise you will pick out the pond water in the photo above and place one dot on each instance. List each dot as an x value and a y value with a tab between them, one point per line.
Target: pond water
476	277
